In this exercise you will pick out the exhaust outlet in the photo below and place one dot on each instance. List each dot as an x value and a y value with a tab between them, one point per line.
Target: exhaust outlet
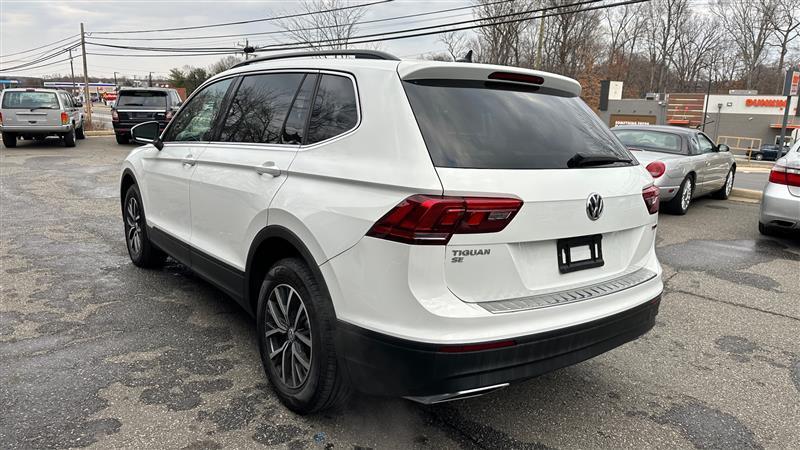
460	395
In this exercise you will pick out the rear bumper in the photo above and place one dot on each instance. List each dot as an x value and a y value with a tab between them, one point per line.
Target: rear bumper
379	364
124	128
38	130
779	207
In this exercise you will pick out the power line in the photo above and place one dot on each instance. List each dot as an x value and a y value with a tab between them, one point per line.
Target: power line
262	33
43	46
242	22
169	49
43	58
311	44
29	58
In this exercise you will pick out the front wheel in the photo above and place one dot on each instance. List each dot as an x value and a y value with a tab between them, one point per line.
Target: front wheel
680	204
142	252
296	324
759	157
79	133
725	191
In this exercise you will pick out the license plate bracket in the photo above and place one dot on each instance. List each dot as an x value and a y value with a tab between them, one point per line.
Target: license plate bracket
572	253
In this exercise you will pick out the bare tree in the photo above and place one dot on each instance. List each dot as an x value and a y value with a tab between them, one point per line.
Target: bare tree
785	29
455	42
572	39
748	23
332	29
224	64
696	45
500	42
666	22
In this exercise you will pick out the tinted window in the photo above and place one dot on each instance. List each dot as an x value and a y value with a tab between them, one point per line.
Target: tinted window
259	108
335	109
152	99
477	125
30	100
295	125
650	140
195	121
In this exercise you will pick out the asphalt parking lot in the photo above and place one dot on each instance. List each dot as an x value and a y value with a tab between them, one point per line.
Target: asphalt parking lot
96	352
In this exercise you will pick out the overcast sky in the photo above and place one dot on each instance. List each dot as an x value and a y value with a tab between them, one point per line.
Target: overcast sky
30	23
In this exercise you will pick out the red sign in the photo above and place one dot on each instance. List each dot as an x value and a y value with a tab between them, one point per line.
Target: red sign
766	102
795	84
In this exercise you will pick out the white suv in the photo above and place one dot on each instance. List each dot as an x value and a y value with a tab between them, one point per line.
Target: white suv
406	228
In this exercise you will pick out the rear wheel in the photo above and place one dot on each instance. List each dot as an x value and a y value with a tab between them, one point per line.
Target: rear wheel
296	325
725	191
142	252
765	230
10	140
759	156
79	133
122	138
680	204
69	138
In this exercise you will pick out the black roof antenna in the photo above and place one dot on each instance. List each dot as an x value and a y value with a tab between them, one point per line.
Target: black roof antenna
466	58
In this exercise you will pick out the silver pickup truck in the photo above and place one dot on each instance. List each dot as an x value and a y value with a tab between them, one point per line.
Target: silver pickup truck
34	113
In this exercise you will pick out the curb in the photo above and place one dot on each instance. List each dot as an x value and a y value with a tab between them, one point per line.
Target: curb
746	195
99	133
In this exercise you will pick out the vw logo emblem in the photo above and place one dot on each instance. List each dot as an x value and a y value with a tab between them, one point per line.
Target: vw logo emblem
594	206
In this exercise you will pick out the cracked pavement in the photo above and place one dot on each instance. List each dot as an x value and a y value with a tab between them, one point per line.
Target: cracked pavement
95	352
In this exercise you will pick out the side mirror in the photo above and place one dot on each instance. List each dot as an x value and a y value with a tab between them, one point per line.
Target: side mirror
723	148
147	133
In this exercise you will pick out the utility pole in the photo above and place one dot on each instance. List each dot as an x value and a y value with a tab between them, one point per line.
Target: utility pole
72	70
539	45
791	87
150	80
708	98
87	98
115	81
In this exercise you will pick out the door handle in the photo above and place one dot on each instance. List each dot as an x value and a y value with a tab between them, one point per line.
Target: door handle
268	168
189	160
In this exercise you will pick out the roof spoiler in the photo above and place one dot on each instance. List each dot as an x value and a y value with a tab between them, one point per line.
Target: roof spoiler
359	54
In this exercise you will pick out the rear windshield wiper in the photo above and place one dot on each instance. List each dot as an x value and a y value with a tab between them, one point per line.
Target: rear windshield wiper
581	160
133	104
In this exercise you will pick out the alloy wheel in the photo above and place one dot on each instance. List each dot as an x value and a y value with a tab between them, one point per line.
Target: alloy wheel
287	332
686	196
729	184
133	219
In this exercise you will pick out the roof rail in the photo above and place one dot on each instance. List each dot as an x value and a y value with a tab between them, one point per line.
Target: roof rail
359	54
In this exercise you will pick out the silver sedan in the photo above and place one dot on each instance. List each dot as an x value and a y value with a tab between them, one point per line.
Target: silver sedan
780	204
684	162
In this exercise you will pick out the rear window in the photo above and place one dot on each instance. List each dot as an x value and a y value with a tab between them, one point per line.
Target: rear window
478	125
152	99
651	140
30	100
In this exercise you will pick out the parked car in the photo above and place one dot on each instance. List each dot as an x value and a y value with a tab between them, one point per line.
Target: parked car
684	162
780	203
401	228
769	152
138	105
33	113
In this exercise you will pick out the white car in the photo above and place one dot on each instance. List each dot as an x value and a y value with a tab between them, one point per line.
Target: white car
420	229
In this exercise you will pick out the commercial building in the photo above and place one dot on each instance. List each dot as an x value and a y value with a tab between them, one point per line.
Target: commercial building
742	120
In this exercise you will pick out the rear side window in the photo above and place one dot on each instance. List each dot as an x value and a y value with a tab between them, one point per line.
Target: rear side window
335	109
151	99
30	100
294	128
651	140
259	108
477	125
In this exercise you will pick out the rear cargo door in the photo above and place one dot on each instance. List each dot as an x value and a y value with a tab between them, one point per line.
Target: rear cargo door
31	108
547	148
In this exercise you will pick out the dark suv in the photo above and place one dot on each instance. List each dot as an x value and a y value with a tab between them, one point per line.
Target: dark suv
138	105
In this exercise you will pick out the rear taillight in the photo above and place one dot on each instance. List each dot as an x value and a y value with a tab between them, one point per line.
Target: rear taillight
516	77
781	174
650	195
64	118
656	168
114	114
429	220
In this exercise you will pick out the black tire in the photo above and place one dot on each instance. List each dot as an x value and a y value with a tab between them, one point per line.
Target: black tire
759	157
69	138
143	253
765	230
122	139
325	384
725	191
676	205
10	140
79	133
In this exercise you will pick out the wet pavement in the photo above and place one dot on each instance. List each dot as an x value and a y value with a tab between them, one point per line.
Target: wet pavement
96	352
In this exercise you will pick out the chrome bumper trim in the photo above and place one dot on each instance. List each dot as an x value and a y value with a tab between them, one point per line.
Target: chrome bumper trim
460	395
574	295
